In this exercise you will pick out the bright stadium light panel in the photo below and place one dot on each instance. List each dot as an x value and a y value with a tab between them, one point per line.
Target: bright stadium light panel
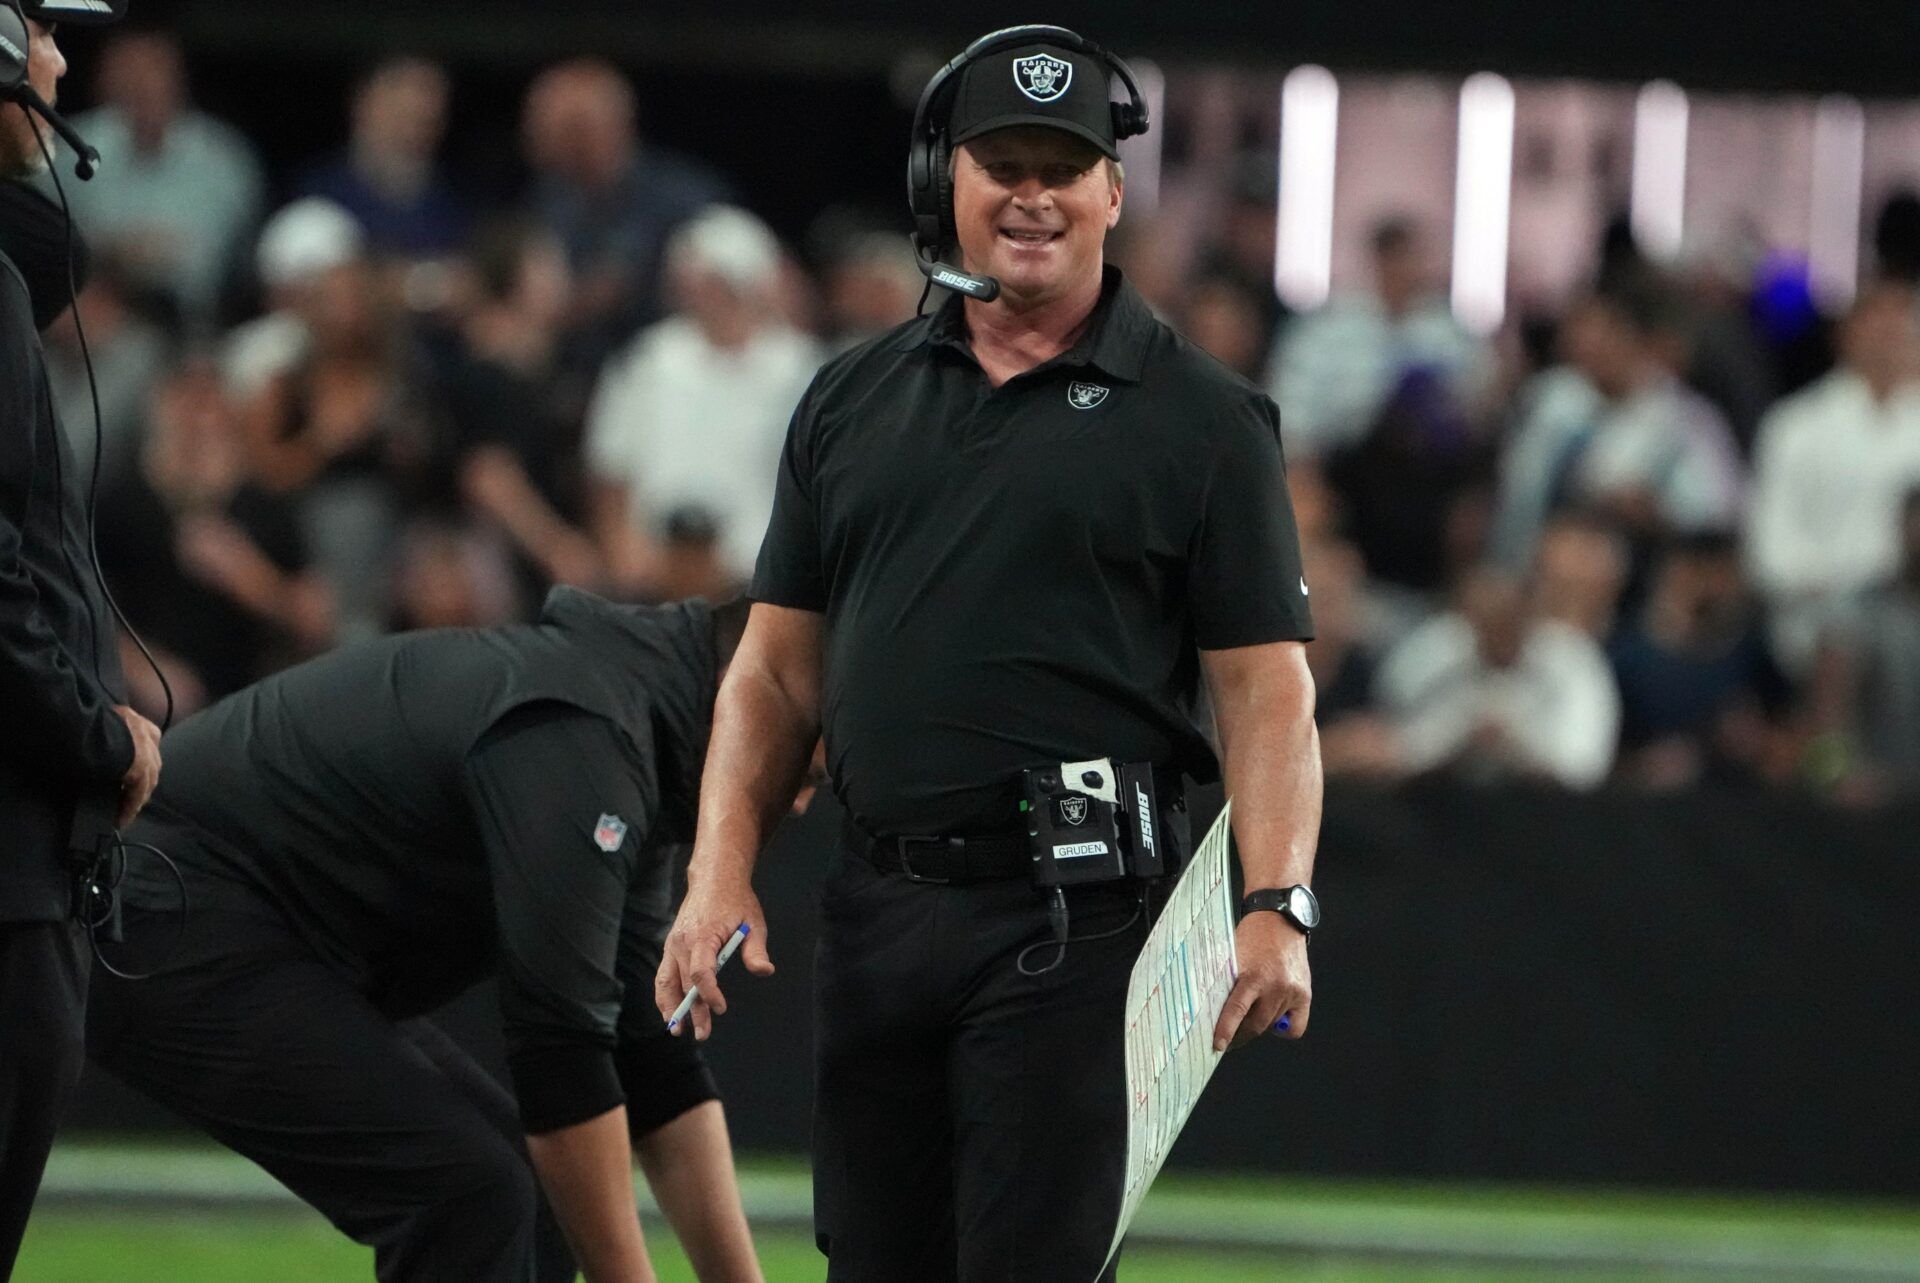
1660	169
1309	123
1839	162
1482	202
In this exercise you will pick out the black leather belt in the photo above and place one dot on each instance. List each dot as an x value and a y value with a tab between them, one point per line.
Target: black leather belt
959	859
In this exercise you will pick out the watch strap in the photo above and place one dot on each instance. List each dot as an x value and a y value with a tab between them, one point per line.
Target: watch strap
1274	900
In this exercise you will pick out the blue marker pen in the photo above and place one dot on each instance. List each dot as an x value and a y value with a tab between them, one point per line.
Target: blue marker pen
727	951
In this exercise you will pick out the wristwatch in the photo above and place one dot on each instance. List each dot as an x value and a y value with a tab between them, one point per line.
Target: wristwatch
1295	903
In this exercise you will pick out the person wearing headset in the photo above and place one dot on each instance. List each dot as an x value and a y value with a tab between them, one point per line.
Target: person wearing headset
1019	530
68	742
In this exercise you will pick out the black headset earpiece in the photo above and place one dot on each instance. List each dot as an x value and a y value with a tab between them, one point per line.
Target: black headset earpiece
1129	117
941	154
923	187
15	43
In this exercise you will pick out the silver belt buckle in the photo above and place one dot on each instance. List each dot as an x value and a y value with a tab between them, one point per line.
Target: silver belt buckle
904	845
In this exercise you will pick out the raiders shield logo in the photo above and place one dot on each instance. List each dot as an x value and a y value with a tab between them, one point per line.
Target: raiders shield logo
1073	810
609	833
1042	77
1084	396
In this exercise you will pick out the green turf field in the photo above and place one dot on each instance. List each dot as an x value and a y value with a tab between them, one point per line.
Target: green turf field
71	1247
165	1215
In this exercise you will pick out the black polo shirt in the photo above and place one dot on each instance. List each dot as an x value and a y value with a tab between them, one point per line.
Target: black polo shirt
1025	574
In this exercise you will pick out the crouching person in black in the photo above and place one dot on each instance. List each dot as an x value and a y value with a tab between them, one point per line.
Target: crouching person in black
363	837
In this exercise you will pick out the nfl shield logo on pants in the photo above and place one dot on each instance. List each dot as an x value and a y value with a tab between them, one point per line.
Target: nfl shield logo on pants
609	833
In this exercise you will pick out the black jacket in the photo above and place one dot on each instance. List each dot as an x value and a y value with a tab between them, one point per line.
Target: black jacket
59	661
367	799
333	790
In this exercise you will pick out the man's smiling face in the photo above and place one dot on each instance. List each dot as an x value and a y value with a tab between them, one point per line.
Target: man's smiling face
1032	206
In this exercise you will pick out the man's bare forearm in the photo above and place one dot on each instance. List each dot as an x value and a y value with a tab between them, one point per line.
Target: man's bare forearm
587	1171
765	722
689	1165
1272	767
1275	784
763	735
1263	702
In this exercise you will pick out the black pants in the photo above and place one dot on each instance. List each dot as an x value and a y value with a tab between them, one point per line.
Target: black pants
970	1122
43	996
393	1133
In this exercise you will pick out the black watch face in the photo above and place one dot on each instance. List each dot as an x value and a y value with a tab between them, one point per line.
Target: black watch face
1304	908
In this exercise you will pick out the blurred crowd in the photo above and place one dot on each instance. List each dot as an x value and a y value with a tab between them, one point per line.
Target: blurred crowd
1664	534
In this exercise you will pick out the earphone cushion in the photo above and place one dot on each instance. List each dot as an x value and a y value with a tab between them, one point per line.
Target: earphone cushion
923	197
942	156
13	29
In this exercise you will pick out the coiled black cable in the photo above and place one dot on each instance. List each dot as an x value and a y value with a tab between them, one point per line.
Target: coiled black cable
1057	920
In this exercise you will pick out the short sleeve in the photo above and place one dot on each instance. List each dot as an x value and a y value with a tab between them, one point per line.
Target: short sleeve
1244	579
562	807
790	570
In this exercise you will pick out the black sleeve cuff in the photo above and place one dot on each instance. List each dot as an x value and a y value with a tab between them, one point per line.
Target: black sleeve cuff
112	747
561	1084
663	1077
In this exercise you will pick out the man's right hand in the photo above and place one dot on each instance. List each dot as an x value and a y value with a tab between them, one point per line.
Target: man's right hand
141	778
707	917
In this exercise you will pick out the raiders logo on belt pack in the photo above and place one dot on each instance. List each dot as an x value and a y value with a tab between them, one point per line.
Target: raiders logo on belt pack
1092	821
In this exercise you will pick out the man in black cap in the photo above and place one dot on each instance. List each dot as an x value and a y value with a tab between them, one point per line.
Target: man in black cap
1016	532
68	744
366	835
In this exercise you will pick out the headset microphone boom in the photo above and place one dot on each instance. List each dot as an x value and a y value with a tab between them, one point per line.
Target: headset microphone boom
16	87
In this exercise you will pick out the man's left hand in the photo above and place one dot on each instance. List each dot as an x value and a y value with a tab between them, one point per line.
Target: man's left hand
1274	981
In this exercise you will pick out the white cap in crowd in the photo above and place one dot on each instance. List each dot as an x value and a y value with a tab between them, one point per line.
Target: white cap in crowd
307	238
729	243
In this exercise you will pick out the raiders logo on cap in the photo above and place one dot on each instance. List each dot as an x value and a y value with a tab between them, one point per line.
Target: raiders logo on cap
1042	77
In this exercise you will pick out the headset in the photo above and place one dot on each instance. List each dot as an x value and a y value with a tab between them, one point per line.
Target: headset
15	41
13	45
930	153
98	880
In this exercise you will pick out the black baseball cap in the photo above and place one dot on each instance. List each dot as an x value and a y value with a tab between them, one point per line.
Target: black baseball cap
1036	84
76	13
